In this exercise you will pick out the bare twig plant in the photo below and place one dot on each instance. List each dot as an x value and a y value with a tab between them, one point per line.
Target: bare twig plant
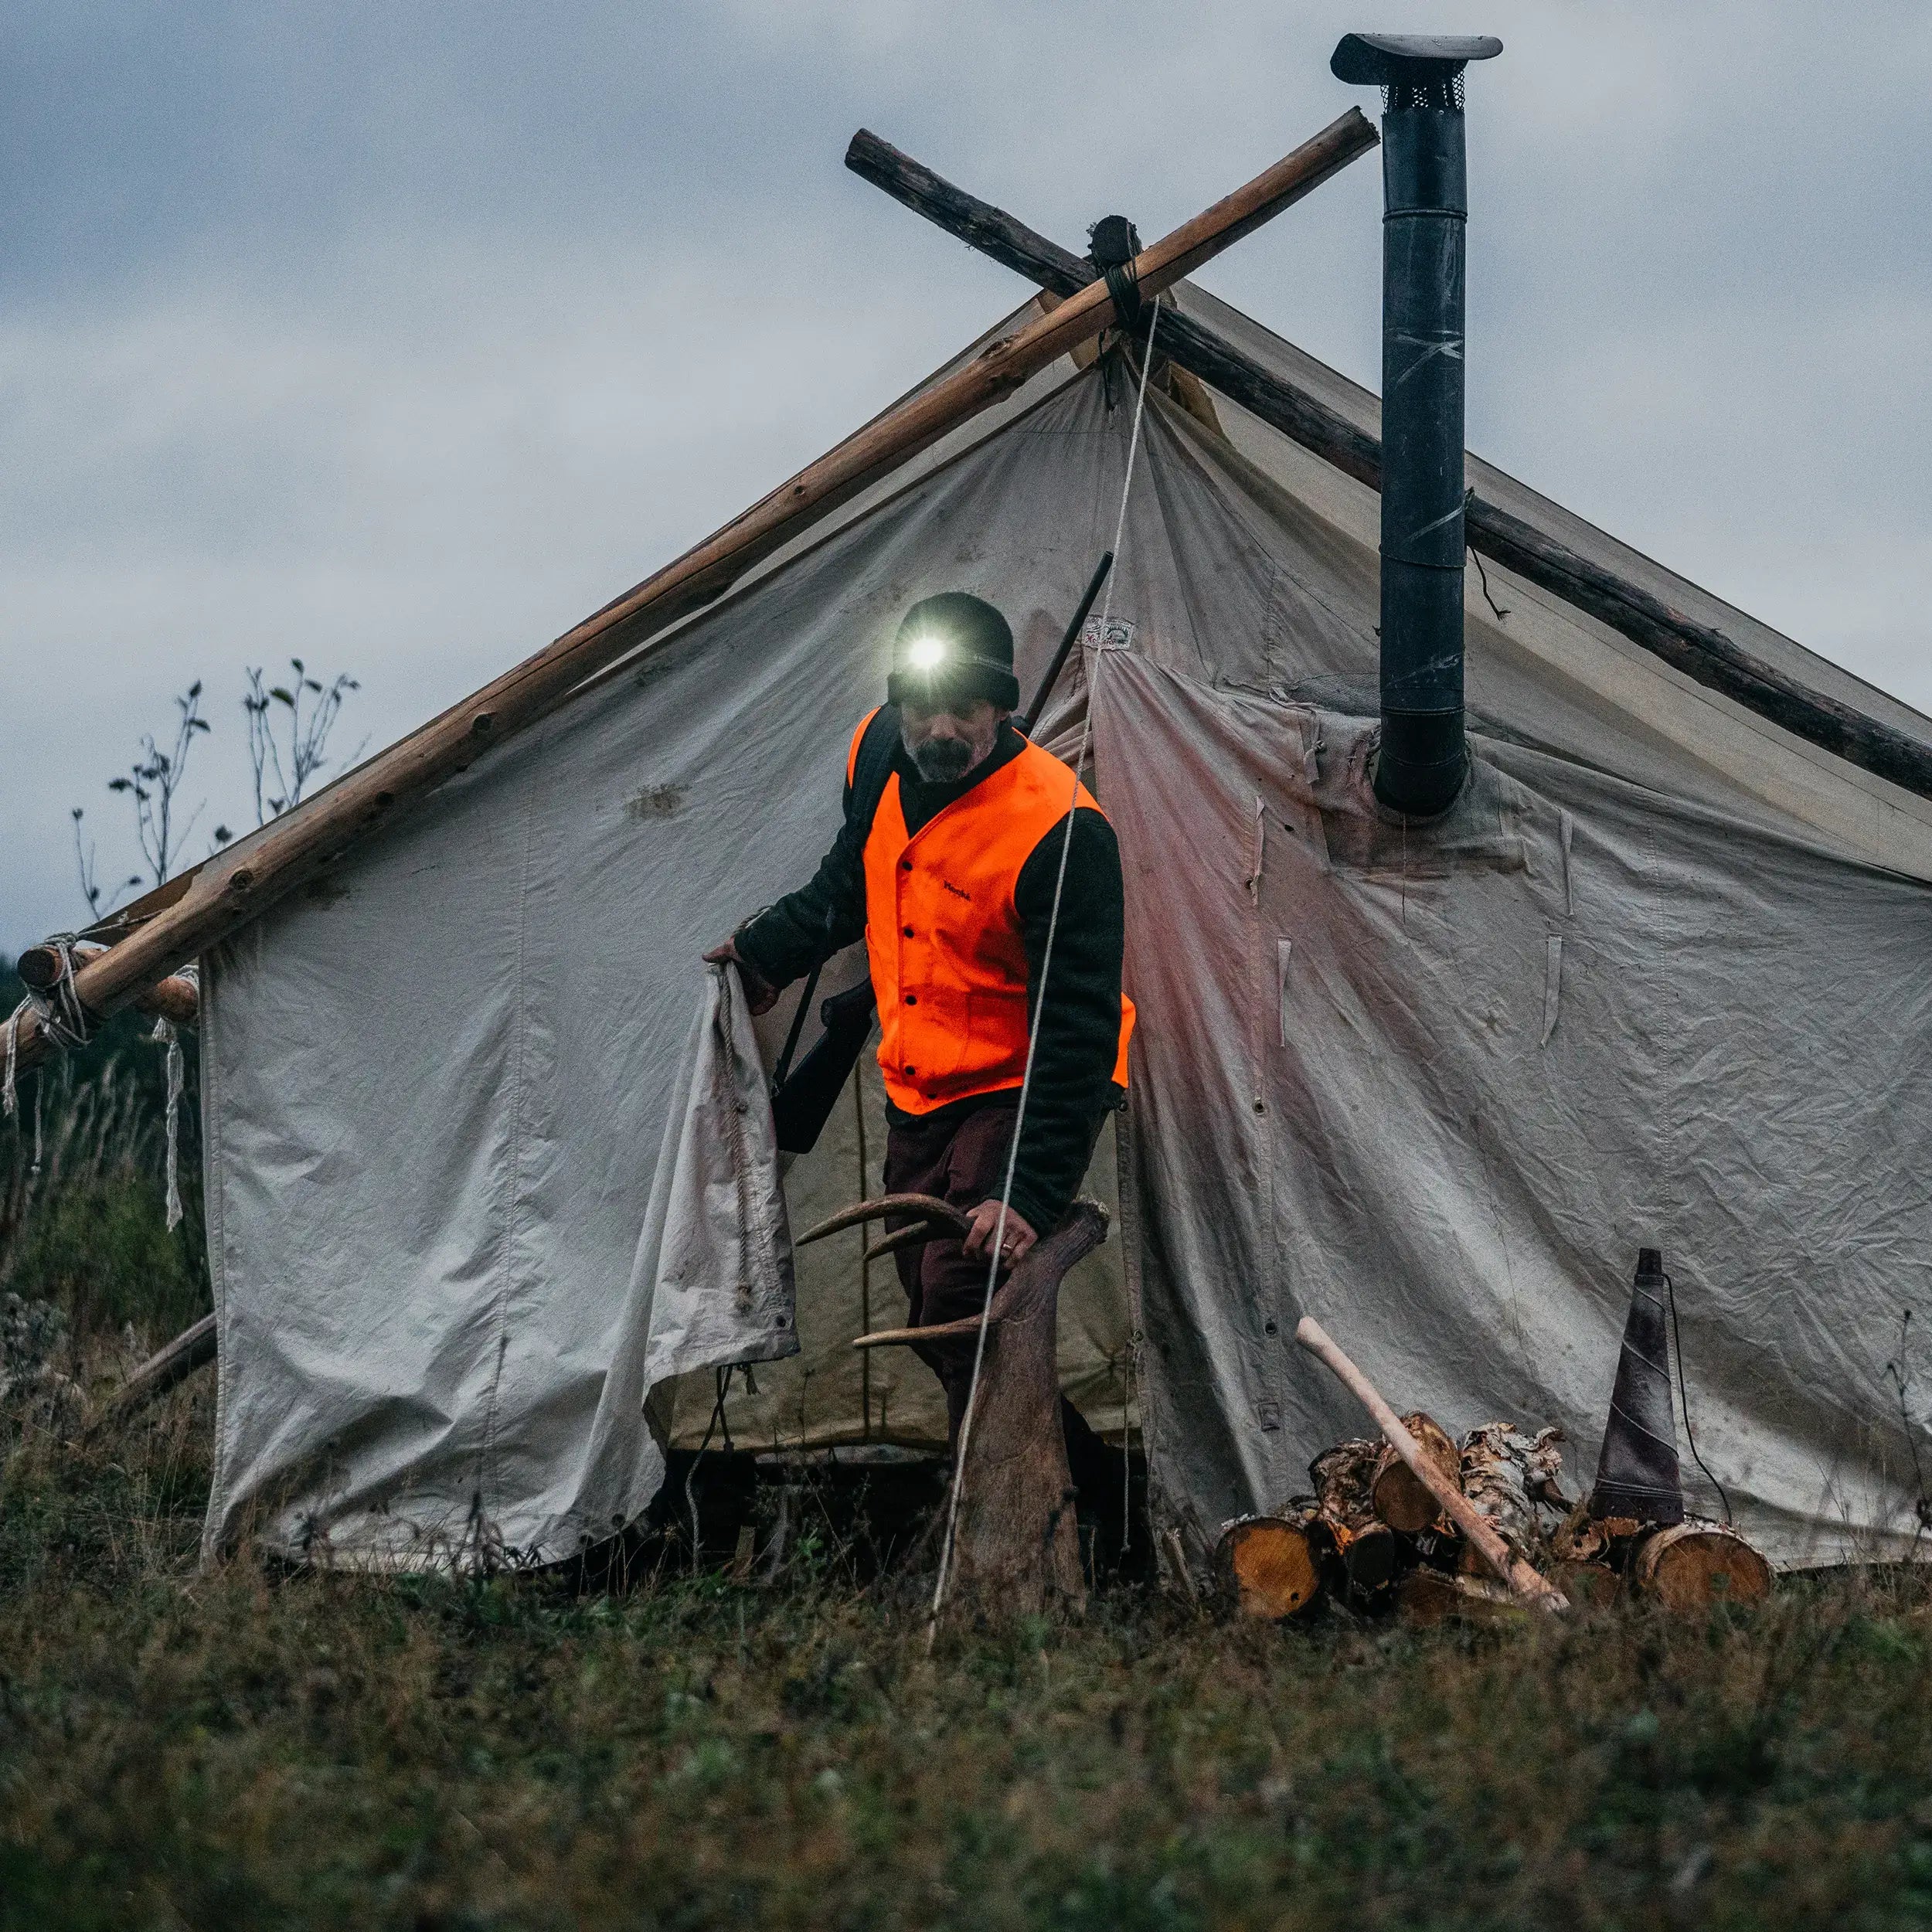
152	785
288	733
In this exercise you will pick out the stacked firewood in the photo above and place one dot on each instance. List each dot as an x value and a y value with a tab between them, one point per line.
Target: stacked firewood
1370	1535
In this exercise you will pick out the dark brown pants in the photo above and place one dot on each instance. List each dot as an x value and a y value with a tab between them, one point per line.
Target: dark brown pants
962	1159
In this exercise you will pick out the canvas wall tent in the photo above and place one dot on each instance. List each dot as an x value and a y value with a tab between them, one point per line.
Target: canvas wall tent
1660	976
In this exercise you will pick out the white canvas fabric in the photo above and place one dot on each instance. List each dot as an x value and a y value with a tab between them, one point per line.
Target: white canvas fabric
1661	977
712	1281
1469	1069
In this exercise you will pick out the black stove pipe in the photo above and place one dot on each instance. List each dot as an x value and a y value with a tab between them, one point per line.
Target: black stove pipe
1422	761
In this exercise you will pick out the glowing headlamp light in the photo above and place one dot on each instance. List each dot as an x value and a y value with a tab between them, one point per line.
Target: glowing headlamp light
926	654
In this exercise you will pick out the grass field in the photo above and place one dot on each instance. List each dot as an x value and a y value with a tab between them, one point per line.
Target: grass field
243	1749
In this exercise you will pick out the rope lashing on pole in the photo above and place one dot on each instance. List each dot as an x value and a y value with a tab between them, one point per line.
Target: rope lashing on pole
60	1014
1040	1005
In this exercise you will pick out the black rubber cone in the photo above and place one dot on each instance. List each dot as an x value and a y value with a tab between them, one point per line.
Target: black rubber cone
1637	1473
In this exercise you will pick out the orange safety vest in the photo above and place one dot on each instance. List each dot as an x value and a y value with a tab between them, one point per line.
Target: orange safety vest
943	935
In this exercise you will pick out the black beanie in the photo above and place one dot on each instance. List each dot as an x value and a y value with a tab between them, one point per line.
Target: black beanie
953	646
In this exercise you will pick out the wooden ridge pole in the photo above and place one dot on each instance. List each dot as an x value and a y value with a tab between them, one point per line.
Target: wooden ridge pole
1521	1581
1702	653
228	891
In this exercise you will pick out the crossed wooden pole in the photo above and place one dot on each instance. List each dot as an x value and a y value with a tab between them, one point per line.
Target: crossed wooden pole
188	915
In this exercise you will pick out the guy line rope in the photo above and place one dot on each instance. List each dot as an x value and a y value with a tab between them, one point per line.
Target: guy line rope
1040	1005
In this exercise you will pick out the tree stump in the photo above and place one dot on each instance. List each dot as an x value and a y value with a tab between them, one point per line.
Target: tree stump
1397	1494
1693	1565
1268	1567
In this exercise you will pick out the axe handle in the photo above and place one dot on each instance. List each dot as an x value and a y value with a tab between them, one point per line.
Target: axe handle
1523	1583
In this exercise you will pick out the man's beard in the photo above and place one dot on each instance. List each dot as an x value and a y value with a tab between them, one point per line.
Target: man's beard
941	761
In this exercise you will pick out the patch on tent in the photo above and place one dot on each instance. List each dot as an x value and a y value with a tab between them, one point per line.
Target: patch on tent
1492	827
655	801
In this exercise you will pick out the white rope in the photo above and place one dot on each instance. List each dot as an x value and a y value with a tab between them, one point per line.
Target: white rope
165	1031
1040	1005
62	1017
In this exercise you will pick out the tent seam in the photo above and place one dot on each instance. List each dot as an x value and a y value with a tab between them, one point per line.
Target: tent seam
514	1159
213	1225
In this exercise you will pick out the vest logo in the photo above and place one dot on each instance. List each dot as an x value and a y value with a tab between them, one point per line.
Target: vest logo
946	885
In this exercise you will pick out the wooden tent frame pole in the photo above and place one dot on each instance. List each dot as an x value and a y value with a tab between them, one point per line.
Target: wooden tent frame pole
228	891
1702	653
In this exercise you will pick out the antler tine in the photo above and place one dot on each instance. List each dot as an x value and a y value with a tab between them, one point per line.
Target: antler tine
965	1328
916	1235
885	1336
927	1204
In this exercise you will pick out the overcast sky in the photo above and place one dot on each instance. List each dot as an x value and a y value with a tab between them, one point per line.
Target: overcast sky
398	337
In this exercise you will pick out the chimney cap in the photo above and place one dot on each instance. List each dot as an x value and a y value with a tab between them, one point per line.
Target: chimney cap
1381	59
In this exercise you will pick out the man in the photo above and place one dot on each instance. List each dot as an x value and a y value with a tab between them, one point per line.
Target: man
947	864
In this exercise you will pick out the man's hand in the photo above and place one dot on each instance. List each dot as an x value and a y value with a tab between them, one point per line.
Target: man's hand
761	994
1017	1237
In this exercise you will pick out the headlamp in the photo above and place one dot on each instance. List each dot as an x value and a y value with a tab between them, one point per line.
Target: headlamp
927	653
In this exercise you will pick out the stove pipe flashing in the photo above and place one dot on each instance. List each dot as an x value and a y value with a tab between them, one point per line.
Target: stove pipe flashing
1420	767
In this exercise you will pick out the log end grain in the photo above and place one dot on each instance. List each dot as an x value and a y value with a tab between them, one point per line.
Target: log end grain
1371	1556
1399	1497
1266	1568
1694	1566
1590	1585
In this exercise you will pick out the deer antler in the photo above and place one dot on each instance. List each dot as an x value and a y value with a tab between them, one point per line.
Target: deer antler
1035	1278
915	1236
926	1206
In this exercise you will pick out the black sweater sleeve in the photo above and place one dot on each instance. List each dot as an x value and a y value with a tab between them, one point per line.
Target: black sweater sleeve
1079	1035
784	942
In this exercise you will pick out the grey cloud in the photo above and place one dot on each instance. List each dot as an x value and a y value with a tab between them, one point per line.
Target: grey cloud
399	337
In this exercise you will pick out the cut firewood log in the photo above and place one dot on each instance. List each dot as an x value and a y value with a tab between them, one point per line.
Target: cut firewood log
1344	1479
1591	1584
1513	1477
1397	1494
1366	1547
1585	1538
1504	1563
1435	1596
1693	1565
1268	1567
1373	1557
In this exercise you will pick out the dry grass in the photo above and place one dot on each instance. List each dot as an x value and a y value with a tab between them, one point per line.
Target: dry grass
235	1749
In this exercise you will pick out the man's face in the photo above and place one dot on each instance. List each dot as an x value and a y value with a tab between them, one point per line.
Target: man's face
945	745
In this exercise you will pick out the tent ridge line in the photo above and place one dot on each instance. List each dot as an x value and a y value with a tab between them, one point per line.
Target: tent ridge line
1700	651
227	893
